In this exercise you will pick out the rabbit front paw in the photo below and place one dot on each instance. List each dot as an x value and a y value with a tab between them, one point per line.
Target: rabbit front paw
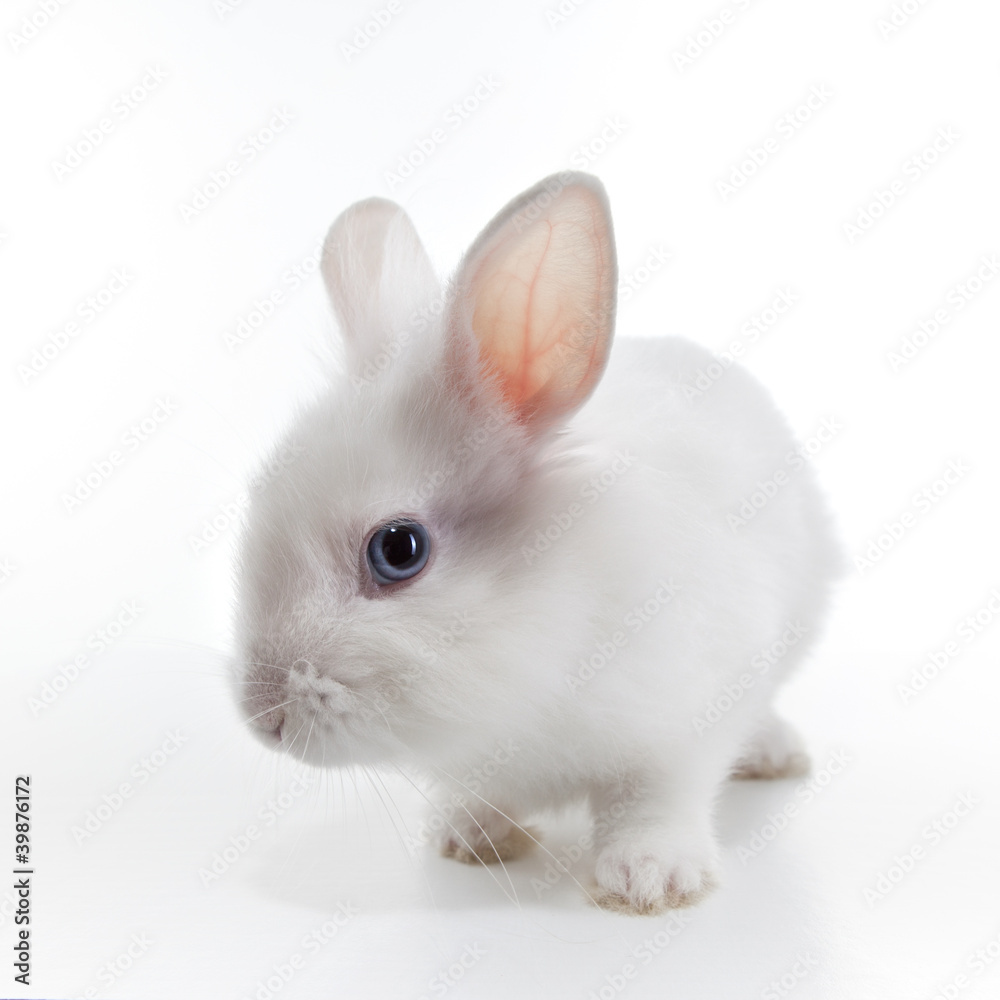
647	875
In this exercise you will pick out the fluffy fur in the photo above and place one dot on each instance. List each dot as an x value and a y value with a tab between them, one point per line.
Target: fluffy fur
589	595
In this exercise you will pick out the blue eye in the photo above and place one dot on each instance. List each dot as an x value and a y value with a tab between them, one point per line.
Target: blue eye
398	551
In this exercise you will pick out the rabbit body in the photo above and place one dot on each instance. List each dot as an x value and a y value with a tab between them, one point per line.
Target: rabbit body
622	568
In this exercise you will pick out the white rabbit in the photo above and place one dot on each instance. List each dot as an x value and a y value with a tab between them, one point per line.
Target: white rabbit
471	574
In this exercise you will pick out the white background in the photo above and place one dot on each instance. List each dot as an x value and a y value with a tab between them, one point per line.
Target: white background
600	89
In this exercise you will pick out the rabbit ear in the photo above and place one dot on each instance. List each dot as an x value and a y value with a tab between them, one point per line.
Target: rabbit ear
538	289
376	273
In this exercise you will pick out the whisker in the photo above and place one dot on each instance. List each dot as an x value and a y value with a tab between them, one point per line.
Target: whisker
269	666
465	843
559	865
413	861
378	787
261	714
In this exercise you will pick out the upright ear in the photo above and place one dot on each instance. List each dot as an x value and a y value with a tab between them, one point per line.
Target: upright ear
376	273
538	289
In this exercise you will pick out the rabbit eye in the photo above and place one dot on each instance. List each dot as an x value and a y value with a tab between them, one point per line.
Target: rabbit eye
398	551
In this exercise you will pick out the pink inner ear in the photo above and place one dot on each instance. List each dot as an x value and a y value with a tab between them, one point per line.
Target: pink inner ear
543	306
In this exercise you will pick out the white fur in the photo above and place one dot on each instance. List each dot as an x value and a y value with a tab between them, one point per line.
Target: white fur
479	652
